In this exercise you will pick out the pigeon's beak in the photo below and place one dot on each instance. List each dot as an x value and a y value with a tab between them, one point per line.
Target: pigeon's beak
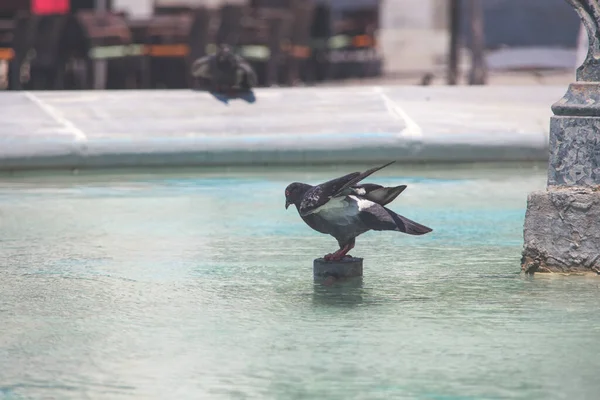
287	203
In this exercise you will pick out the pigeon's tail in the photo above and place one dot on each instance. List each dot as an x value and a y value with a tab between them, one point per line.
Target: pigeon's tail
408	226
384	195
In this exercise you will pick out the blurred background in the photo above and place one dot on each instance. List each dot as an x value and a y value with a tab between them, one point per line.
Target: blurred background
150	44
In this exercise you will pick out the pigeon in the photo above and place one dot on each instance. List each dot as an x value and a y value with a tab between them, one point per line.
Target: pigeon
345	209
225	71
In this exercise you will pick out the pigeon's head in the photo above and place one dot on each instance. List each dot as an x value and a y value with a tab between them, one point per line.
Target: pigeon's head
225	56
294	193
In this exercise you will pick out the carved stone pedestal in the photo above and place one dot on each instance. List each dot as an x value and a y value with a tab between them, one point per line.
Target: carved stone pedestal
562	224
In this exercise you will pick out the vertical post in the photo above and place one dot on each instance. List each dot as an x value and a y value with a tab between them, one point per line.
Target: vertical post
300	37
100	67
478	73
454	27
276	29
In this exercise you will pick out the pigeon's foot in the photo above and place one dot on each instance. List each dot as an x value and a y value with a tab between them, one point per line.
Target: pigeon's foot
340	254
334	257
329	257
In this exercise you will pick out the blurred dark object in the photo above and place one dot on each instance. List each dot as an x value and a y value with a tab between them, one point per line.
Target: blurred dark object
167	43
454	26
223	73
173	38
529	23
511	35
427	79
85	44
352	46
526	35
68	46
106	51
478	73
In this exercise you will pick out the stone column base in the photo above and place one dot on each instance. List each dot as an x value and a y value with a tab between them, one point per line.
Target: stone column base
348	267
562	231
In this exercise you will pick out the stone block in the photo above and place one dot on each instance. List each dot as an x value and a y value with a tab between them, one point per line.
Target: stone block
349	267
562	231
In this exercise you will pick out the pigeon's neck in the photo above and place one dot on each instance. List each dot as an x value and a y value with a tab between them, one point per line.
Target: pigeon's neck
303	188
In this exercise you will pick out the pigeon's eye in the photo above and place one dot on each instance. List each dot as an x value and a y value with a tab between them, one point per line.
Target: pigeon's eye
287	192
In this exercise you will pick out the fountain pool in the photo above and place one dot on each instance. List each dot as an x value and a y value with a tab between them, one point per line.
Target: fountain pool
190	284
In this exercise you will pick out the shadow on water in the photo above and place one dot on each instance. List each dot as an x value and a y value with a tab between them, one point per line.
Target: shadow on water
338	292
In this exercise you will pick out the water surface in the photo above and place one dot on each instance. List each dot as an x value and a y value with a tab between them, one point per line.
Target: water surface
198	284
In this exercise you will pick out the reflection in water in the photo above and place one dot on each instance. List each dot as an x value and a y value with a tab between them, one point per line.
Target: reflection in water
342	292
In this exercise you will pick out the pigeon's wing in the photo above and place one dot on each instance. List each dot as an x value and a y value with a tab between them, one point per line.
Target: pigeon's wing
201	68
367	187
357	178
385	195
321	194
379	218
317	223
239	77
246	73
377	193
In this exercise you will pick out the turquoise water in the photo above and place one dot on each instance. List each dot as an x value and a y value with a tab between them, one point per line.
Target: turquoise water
198	284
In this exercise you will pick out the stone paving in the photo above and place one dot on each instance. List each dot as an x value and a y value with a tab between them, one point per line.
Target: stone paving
284	126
